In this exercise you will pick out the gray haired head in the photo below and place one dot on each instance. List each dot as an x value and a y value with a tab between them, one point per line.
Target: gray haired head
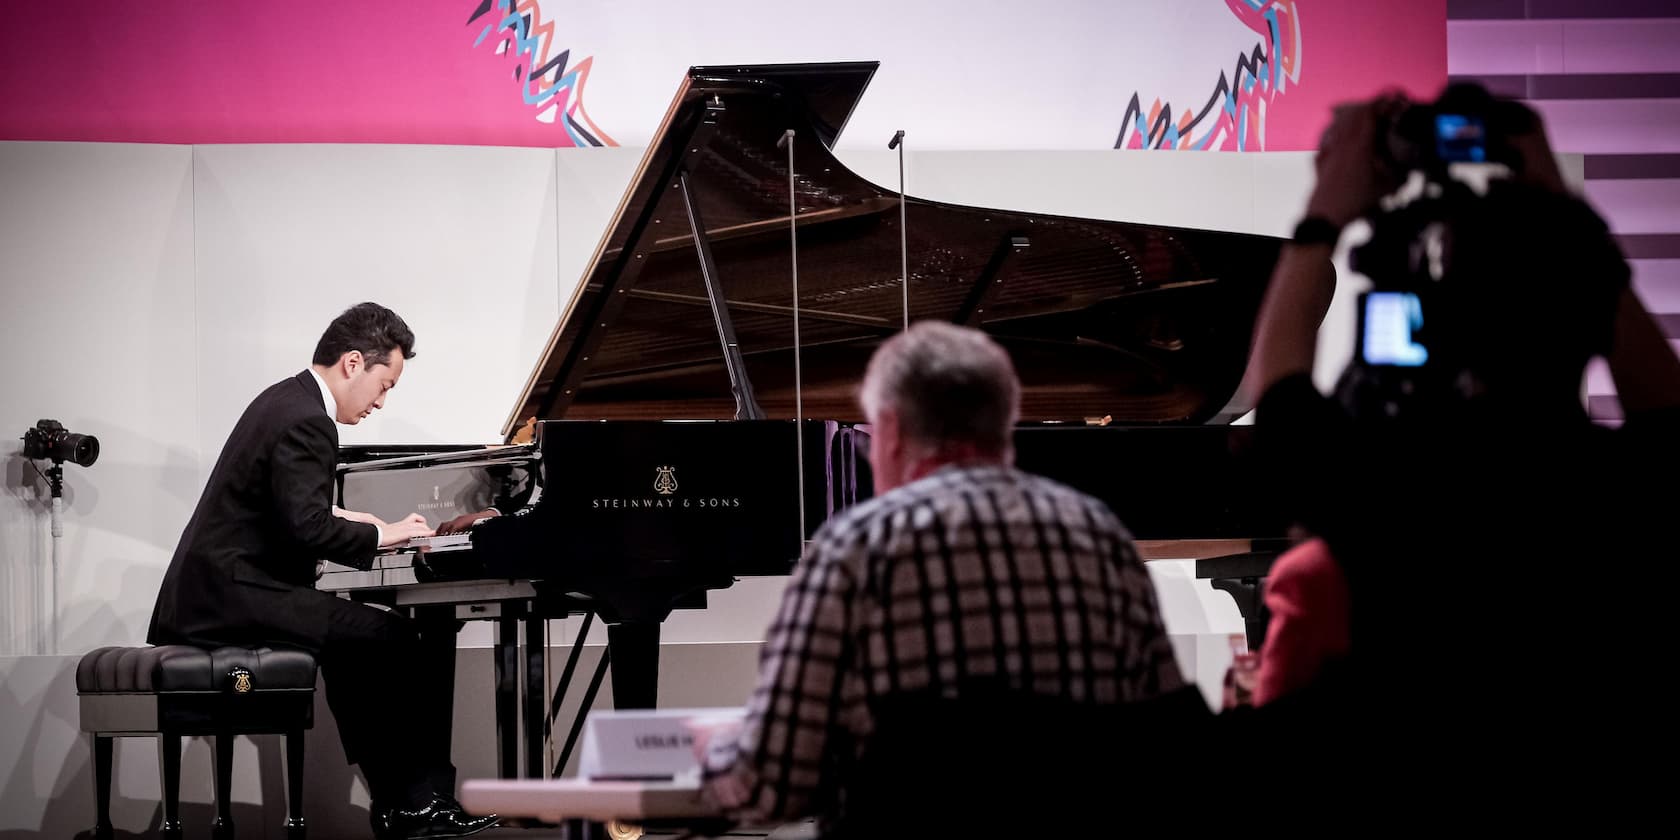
947	384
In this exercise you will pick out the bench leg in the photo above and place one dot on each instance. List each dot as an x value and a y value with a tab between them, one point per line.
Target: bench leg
223	826
294	785
102	786
169	752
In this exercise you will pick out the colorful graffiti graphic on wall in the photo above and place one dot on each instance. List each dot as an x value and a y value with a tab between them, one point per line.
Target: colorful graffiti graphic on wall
551	87
1234	115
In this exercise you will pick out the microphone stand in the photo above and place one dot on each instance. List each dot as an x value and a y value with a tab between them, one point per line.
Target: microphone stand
897	142
798	384
55	481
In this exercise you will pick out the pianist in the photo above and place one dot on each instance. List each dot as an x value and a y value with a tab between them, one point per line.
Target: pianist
244	573
963	575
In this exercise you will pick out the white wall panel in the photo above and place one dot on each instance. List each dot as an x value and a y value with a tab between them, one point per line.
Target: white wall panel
459	241
96	277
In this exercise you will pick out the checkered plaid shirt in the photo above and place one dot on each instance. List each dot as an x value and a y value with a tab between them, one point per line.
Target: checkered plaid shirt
983	573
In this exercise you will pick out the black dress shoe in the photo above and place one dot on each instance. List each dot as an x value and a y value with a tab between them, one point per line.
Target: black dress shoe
441	818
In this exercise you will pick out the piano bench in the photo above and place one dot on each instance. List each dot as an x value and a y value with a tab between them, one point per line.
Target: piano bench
175	690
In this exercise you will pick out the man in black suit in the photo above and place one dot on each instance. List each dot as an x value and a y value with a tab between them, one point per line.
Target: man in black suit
244	573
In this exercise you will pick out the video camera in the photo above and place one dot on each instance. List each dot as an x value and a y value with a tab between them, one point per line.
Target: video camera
1467	124
1449	156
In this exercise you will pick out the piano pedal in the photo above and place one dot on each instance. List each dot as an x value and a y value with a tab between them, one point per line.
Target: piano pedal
623	831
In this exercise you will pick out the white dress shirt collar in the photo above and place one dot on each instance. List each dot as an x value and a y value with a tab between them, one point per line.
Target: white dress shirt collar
328	401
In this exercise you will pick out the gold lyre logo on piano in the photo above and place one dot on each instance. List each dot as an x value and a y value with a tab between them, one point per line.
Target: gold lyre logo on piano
241	680
665	480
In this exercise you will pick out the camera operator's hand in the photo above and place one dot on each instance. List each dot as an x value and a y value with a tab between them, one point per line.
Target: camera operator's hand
403	530
1538	165
1351	178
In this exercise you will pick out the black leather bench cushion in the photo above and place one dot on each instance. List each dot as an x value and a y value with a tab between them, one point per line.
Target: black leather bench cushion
182	668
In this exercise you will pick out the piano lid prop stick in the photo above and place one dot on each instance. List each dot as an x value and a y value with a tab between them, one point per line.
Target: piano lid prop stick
798	385
897	142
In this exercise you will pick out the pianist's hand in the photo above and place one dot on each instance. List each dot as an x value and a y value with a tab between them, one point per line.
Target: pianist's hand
355	516
464	522
403	530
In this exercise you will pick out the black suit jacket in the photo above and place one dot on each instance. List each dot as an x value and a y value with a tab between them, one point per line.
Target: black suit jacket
244	571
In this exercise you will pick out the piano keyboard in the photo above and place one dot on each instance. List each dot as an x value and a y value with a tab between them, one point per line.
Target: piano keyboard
392	566
443	542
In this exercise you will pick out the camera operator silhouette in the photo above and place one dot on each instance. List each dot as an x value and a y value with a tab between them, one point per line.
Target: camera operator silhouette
1486	537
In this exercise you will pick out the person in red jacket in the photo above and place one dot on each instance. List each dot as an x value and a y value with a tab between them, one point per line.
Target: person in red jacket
1307	595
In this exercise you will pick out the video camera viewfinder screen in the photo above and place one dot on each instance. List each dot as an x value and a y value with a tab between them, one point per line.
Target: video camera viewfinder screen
1388	329
1460	139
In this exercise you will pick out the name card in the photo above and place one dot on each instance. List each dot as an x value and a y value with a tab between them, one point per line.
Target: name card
646	744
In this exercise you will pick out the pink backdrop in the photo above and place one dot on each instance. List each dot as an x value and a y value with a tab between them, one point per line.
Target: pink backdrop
260	71
1307	56
265	71
1357	48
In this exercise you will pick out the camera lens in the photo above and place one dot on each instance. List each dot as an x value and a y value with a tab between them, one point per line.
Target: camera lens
79	449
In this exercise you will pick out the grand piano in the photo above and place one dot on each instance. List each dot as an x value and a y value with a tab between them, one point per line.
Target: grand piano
692	419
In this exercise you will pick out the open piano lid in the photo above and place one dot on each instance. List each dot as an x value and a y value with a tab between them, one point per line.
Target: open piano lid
1142	323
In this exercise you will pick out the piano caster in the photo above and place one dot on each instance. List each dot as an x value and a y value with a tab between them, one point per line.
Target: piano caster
609	830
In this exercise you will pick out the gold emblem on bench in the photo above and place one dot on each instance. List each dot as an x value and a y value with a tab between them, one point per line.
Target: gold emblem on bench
241	680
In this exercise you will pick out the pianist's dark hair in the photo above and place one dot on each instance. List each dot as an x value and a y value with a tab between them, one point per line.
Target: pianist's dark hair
366	327
946	383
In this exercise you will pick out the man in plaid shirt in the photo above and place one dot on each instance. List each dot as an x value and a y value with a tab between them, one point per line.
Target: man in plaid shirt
962	571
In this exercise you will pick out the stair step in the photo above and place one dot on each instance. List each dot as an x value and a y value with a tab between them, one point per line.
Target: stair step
1557	9
1650	246
1642	206
1491	47
1612	126
1615	167
1578	85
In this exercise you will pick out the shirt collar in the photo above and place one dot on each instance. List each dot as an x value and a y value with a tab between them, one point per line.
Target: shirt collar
329	403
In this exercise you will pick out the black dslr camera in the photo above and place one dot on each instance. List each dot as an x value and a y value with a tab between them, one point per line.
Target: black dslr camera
49	439
1404	363
1467	124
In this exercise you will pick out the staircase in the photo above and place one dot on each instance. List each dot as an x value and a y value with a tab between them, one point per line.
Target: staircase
1606	76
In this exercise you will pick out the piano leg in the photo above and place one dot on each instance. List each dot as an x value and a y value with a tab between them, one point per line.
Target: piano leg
507	691
634	647
439	637
536	681
1250	595
1243	577
583	713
